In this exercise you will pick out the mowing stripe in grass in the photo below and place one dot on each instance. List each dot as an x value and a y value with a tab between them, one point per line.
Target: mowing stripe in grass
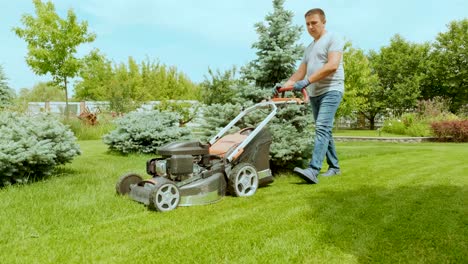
393	203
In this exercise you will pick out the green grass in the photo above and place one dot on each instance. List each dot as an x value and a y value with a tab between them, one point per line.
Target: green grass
403	203
84	131
364	133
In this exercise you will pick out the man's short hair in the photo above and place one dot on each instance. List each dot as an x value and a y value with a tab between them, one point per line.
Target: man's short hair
314	11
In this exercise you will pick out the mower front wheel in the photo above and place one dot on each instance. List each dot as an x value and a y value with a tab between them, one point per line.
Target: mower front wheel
165	195
123	184
243	180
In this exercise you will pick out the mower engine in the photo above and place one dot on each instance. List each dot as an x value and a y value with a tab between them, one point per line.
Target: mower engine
176	167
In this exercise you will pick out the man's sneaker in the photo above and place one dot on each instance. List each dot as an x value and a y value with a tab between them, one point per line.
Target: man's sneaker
331	172
309	175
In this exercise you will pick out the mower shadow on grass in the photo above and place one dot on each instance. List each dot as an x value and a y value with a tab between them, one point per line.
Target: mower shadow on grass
425	224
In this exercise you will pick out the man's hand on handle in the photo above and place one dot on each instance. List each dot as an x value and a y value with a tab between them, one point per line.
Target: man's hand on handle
275	89
298	86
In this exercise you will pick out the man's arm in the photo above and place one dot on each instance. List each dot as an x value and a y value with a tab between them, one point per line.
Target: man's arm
330	67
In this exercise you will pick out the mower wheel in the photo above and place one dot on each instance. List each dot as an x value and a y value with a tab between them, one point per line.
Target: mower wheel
165	195
243	180
123	185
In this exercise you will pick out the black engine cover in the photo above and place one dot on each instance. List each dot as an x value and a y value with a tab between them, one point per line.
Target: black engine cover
180	164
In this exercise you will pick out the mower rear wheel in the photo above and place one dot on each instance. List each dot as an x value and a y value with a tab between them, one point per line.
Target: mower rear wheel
165	195
123	184
243	180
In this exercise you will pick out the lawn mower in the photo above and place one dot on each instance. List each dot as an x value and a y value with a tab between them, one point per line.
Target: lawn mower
195	173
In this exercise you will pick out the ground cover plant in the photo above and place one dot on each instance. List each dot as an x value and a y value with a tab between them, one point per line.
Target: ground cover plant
394	203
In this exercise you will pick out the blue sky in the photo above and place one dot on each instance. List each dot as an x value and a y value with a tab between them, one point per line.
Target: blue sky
194	35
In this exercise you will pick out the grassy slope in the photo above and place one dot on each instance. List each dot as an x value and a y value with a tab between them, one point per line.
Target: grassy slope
393	203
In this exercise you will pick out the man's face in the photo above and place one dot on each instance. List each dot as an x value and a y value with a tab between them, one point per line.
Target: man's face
315	25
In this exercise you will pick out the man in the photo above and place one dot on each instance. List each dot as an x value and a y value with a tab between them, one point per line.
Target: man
321	71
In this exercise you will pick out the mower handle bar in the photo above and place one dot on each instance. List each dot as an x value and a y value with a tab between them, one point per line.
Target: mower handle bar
257	129
283	90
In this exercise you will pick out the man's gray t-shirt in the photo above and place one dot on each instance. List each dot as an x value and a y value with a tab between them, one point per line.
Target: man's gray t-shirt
316	55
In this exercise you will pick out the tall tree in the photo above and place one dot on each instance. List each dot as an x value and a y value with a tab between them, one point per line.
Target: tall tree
376	101
41	92
52	43
219	87
96	73
277	49
400	67
447	69
126	86
358	84
6	93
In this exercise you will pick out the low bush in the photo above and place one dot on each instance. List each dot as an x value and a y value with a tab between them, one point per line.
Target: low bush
418	124
456	131
419	129
394	126
30	147
145	131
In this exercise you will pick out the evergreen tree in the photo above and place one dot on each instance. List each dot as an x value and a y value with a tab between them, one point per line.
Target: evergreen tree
277	49
291	129
277	54
6	94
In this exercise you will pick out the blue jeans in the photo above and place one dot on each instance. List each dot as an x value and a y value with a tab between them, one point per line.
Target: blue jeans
324	108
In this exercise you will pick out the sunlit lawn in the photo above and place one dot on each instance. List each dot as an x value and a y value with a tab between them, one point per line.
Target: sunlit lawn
363	133
394	203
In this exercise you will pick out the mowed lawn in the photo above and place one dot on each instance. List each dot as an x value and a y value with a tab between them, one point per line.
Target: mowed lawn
394	203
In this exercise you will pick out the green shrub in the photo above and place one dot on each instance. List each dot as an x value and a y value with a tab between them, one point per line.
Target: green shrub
463	111
408	125
145	131
30	147
420	129
394	126
408	119
186	110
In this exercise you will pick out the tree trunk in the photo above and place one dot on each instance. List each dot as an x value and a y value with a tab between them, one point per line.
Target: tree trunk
372	122
67	113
